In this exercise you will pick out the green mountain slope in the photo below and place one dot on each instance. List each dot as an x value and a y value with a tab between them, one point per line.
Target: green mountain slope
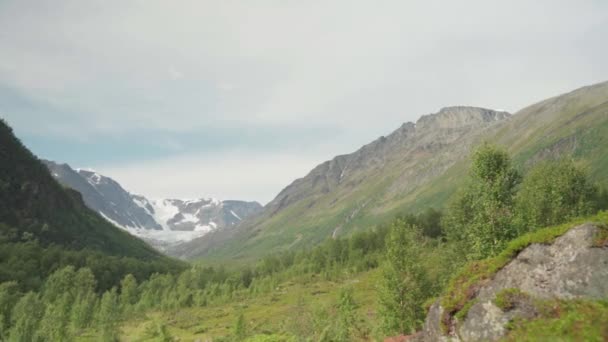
570	125
418	166
44	226
33	203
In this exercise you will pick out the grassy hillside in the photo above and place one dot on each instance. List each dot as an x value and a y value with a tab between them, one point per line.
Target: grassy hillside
570	125
573	125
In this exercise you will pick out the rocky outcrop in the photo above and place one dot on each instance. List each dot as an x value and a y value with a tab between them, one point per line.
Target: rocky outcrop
572	267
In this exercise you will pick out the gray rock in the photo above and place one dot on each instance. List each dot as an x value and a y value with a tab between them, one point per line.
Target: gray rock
567	269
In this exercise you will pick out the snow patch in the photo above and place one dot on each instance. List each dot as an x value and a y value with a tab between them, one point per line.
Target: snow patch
164	210
111	221
235	215
189	218
142	204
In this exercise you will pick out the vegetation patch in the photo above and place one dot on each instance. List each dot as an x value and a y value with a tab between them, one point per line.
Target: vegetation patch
560	320
462	314
507	299
601	238
465	285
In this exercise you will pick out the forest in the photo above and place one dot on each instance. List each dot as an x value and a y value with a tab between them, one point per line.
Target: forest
50	293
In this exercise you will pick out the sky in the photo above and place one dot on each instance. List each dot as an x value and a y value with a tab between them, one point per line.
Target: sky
236	99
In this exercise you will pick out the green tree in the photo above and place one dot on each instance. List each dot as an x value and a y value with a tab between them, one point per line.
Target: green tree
129	293
108	316
404	287
84	299
481	217
59	284
430	223
554	192
9	295
26	318
56	320
83	311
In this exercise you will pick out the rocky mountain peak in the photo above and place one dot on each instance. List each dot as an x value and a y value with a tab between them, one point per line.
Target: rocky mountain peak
460	117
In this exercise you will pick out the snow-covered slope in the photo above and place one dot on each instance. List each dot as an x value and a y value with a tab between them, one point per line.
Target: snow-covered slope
161	222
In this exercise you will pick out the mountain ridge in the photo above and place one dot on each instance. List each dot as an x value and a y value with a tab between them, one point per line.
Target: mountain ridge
160	222
417	166
346	177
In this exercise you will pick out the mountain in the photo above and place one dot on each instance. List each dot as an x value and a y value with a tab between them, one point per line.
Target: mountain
34	206
419	165
104	195
160	222
351	191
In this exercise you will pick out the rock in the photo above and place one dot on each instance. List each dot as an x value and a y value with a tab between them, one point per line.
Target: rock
433	330
569	268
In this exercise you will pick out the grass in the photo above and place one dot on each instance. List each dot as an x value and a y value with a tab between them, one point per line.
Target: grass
279	312
601	239
507	299
464	286
561	320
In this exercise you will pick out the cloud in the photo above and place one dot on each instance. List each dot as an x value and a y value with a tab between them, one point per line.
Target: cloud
156	71
236	175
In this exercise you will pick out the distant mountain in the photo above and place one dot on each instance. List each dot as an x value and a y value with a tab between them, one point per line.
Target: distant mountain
419	165
33	206
160	222
104	195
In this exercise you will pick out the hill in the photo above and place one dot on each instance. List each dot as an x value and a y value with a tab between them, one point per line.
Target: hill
418	166
44	226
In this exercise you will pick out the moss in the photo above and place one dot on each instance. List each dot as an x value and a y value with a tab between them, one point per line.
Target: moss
462	314
601	238
507	299
428	303
561	320
464	286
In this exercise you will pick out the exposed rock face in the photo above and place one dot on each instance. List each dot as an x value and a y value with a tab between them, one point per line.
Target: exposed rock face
432	133
569	268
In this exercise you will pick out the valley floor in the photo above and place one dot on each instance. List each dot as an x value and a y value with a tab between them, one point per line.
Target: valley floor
294	309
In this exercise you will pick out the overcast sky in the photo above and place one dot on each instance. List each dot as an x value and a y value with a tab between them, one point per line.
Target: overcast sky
236	99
